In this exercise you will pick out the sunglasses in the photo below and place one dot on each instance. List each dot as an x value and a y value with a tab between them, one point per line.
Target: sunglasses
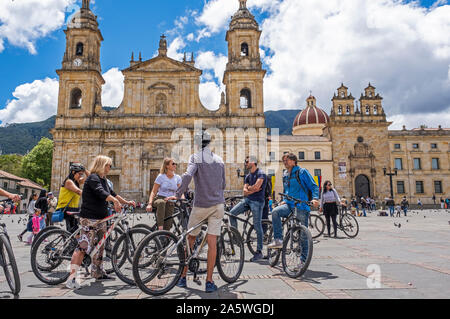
174	164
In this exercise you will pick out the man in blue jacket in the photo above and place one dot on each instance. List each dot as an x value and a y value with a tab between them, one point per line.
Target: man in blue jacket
297	183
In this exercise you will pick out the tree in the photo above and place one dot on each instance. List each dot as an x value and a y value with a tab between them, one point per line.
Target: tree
37	165
11	164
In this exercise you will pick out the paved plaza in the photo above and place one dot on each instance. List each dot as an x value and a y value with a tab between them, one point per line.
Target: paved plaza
413	262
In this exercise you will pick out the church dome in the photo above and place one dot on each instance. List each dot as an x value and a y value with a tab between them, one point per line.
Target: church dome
311	120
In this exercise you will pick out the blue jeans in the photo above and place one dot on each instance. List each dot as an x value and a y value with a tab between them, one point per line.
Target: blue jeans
285	211
405	210
391	210
364	211
257	210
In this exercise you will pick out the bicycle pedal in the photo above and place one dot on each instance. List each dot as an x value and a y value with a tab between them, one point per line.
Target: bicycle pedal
198	282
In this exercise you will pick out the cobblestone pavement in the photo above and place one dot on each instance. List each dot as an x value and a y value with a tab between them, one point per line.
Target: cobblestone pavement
413	260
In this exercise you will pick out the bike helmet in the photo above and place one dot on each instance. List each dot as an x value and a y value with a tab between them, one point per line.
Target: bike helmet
77	167
202	138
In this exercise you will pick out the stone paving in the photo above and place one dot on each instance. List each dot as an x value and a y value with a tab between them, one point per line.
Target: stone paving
413	260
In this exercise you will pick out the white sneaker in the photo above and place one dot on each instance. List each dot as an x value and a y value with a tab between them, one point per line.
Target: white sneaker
276	244
73	284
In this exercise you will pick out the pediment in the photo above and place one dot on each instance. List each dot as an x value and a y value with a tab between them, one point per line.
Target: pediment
162	64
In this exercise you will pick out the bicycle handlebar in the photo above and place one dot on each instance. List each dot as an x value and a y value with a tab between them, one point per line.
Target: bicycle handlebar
295	200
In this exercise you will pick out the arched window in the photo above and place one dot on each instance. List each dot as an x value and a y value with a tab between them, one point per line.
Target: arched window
80	47
246	99
161	104
244	49
112	155
75	98
367	110
340	110
375	110
348	110
342	94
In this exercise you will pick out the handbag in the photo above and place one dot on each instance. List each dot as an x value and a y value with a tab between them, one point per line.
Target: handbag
58	216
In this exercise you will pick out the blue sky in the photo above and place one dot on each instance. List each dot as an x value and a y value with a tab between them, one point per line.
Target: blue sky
136	25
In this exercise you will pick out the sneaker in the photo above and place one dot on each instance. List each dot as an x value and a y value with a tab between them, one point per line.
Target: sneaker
20	237
257	256
276	244
210	287
73	284
182	283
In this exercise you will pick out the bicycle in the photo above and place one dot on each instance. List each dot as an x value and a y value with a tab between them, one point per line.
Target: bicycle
52	253
8	261
161	257
347	223
250	235
316	224
293	249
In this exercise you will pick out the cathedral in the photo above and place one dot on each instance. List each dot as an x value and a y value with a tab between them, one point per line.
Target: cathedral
352	146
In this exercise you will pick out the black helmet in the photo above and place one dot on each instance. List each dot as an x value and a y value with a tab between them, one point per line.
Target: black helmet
77	167
202	138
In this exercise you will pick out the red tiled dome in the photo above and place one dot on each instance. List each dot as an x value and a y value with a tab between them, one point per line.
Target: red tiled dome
311	115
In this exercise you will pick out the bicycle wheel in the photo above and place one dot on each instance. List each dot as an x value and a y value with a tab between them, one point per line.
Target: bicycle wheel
145	226
295	255
42	232
51	256
123	253
350	225
157	263
252	239
8	263
109	244
316	226
230	255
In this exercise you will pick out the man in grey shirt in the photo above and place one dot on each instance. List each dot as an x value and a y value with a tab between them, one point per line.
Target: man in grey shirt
208	171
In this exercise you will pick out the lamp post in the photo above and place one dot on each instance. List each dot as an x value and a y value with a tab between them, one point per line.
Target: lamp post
391	174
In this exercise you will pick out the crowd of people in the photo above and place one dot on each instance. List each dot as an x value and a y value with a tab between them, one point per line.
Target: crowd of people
89	194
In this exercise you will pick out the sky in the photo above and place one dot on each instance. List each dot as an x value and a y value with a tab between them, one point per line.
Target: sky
400	47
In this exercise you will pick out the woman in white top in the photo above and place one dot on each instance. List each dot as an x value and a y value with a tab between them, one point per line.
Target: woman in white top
164	189
329	206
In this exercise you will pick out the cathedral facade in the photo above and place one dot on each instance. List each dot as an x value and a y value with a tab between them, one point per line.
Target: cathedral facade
161	95
351	147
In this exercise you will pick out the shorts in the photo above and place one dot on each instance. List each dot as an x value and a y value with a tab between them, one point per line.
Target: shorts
215	219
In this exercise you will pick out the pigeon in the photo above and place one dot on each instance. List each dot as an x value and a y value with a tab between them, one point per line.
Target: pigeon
397	225
407	221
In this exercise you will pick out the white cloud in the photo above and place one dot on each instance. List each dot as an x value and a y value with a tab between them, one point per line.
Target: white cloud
32	102
113	90
210	95
416	120
173	51
403	49
210	91
22	22
208	60
38	100
216	14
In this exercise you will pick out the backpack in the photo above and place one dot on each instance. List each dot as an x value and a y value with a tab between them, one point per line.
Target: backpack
297	176
268	191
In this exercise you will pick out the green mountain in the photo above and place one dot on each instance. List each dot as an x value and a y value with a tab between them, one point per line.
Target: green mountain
21	138
282	120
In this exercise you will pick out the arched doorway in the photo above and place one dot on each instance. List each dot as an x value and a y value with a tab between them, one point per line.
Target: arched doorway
362	186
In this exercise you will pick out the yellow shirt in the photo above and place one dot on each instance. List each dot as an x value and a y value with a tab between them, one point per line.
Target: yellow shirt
66	196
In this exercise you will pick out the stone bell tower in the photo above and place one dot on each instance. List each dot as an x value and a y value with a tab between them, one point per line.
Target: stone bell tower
360	144
244	75
80	78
